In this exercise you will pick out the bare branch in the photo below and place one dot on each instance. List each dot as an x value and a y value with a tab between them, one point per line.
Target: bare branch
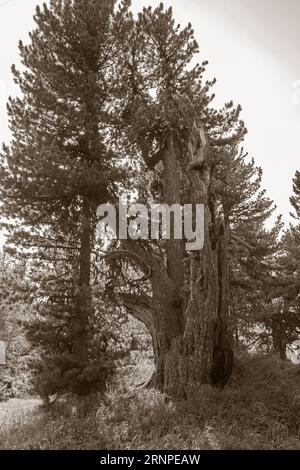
228	140
242	242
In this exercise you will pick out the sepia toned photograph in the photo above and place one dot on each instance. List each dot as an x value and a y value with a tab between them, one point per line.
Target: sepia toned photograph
149	231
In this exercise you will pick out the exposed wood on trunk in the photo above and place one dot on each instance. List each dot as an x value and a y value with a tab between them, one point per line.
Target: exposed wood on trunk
141	307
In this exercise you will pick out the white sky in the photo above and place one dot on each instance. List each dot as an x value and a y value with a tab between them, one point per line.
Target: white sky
253	51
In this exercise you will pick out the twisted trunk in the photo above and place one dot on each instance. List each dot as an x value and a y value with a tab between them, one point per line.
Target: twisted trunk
198	350
189	303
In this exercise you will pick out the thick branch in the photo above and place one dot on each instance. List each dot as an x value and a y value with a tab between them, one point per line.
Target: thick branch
133	256
227	140
140	306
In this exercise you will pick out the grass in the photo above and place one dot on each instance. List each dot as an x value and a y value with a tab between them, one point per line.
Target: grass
259	409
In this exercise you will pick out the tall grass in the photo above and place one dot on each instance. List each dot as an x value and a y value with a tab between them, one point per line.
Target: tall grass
259	409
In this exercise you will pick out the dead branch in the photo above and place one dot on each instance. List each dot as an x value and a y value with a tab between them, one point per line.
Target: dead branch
228	140
242	242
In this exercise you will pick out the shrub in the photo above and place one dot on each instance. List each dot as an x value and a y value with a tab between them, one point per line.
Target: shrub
64	373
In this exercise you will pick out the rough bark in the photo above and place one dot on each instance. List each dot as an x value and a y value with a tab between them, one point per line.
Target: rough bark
190	293
195	349
83	298
279	338
279	333
174	248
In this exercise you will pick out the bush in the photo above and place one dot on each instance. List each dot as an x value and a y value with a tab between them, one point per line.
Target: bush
64	373
52	330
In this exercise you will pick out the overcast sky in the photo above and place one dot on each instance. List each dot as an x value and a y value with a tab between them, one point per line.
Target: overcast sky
253	51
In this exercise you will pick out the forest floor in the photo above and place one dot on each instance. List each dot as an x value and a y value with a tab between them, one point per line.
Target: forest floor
259	409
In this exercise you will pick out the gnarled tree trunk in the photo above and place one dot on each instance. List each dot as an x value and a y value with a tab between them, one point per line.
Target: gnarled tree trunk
189	303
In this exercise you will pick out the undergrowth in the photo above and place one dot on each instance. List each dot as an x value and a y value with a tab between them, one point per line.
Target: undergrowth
259	409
